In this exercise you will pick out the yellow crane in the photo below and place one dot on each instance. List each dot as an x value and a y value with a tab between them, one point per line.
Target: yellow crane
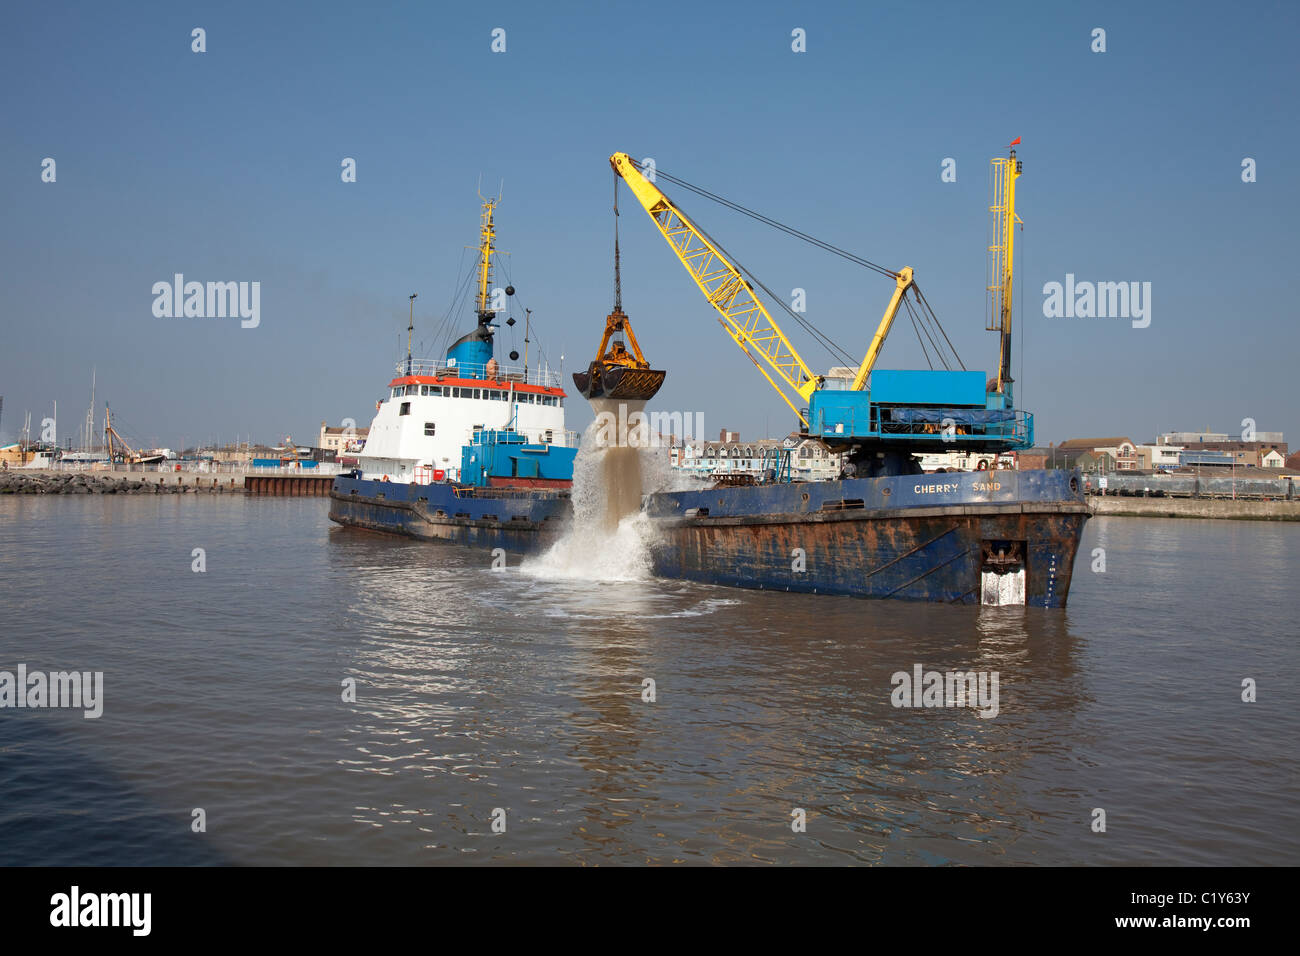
881	418
1002	212
740	311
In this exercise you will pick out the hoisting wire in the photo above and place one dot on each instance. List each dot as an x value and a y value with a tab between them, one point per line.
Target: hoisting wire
922	319
618	278
835	351
912	315
790	230
929	334
935	319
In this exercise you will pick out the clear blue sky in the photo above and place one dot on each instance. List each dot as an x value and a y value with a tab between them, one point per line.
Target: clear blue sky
225	166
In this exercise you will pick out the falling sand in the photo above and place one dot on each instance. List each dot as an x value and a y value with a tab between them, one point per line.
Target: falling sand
609	538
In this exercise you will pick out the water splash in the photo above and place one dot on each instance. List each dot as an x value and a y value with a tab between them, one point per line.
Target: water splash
610	536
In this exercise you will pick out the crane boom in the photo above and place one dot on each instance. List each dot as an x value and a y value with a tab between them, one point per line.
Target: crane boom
740	311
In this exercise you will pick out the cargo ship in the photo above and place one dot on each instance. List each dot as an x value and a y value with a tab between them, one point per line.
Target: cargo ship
465	449
883	529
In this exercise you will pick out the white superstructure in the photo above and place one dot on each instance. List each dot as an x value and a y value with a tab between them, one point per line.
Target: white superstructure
433	410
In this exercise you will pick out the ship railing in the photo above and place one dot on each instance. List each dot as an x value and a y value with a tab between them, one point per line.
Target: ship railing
1016	430
478	491
322	468
544	376
202	467
534	436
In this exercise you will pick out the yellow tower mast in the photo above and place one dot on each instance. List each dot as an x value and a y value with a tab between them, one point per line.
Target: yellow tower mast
1002	212
486	247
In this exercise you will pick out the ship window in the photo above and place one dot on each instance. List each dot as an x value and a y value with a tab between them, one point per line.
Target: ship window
428	428
435	389
406	408
396	392
476	392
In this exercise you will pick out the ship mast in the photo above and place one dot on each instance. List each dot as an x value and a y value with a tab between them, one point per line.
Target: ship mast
88	434
410	327
486	248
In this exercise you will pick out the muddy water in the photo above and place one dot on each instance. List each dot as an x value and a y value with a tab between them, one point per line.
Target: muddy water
481	689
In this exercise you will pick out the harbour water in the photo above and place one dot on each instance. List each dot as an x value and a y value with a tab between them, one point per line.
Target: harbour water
525	691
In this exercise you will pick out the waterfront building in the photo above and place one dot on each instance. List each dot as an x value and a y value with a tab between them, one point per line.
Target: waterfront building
1123	452
1159	457
1096	462
340	440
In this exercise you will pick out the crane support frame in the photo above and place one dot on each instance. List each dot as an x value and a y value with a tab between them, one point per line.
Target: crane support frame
903	283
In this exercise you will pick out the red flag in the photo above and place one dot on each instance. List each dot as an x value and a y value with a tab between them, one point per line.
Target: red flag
1016	141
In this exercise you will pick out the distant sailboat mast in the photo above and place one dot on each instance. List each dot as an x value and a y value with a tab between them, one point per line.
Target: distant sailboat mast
88	434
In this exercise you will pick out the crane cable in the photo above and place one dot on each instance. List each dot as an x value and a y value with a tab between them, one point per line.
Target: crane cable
926	314
790	230
830	346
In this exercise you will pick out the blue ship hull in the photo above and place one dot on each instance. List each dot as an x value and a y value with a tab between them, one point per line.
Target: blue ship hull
917	537
519	520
